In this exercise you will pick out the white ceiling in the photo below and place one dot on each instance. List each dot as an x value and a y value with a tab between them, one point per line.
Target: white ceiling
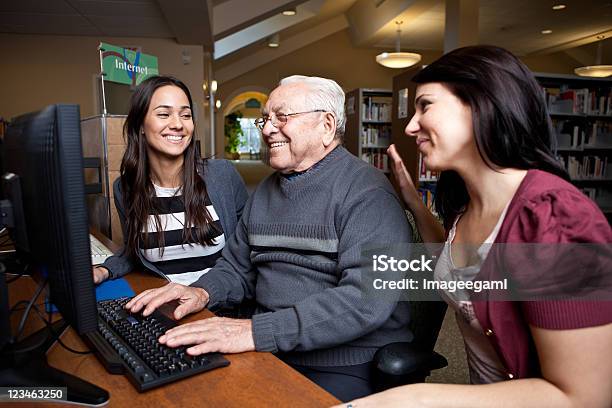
238	28
259	29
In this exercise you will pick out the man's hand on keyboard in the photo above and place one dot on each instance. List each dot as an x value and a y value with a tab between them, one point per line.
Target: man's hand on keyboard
217	334
190	300
100	274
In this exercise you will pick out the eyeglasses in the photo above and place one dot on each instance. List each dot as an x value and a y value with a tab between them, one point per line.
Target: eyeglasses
281	118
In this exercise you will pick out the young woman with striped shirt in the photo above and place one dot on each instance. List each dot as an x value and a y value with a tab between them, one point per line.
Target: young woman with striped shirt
176	210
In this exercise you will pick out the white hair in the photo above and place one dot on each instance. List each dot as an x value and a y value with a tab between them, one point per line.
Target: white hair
324	94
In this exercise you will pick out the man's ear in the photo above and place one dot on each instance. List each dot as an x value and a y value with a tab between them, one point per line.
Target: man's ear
329	125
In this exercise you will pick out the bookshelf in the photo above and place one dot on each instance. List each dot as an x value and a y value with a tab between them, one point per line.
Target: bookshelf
368	125
581	113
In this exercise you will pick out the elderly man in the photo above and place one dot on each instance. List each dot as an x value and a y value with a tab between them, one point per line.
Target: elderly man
297	252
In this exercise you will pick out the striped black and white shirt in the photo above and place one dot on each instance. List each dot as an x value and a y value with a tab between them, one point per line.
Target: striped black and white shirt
181	263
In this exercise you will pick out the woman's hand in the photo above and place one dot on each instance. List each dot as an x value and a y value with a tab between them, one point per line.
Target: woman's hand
399	397
574	368
100	274
406	185
429	227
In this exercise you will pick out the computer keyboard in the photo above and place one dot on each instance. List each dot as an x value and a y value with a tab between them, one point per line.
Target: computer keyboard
127	344
99	251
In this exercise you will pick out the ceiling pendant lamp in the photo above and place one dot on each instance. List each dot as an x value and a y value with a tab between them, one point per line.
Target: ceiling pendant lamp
398	59
599	70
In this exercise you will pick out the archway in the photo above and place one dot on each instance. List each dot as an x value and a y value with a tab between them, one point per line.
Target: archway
242	138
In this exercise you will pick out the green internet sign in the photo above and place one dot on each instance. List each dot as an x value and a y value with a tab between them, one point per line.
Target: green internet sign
127	66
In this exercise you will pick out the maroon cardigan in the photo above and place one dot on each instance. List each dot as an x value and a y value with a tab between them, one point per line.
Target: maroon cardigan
544	209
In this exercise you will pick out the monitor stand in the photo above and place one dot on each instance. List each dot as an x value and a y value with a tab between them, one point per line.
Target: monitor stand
30	369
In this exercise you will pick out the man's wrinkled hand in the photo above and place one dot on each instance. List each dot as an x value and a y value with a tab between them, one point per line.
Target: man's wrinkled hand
216	334
190	300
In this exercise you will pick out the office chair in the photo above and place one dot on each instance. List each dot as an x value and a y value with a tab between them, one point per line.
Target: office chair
406	363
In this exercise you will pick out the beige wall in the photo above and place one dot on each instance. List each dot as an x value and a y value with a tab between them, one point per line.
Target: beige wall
37	70
336	58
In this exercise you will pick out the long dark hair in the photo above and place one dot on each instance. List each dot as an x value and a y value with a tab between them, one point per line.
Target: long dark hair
511	124
137	187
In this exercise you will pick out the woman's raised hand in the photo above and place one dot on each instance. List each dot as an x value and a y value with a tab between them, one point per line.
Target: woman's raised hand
404	180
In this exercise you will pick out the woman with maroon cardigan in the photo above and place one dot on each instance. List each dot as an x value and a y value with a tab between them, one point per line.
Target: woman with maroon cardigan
482	121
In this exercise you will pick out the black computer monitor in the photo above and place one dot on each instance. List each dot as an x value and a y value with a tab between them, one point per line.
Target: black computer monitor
43	181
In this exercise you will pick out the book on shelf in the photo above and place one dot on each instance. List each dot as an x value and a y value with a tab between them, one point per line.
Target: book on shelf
600	134
424	173
574	134
379	160
377	108
587	167
427	194
379	136
587	101
570	133
600	102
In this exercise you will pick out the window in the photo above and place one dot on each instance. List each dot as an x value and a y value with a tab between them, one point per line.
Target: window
250	140
242	138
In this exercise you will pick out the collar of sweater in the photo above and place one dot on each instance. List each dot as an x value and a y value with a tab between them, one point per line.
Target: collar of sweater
291	185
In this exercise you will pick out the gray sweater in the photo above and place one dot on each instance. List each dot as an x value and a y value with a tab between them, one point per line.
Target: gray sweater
297	251
226	191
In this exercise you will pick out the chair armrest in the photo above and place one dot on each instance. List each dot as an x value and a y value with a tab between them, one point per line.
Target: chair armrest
405	359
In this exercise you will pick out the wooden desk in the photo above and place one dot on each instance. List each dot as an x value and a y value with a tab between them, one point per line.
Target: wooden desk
251	380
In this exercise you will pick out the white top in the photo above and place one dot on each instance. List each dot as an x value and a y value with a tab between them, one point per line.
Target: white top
193	255
484	363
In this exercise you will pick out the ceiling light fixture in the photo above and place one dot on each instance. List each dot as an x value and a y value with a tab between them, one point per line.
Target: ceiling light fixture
598	70
274	41
559	6
546	31
398	59
290	12
213	86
